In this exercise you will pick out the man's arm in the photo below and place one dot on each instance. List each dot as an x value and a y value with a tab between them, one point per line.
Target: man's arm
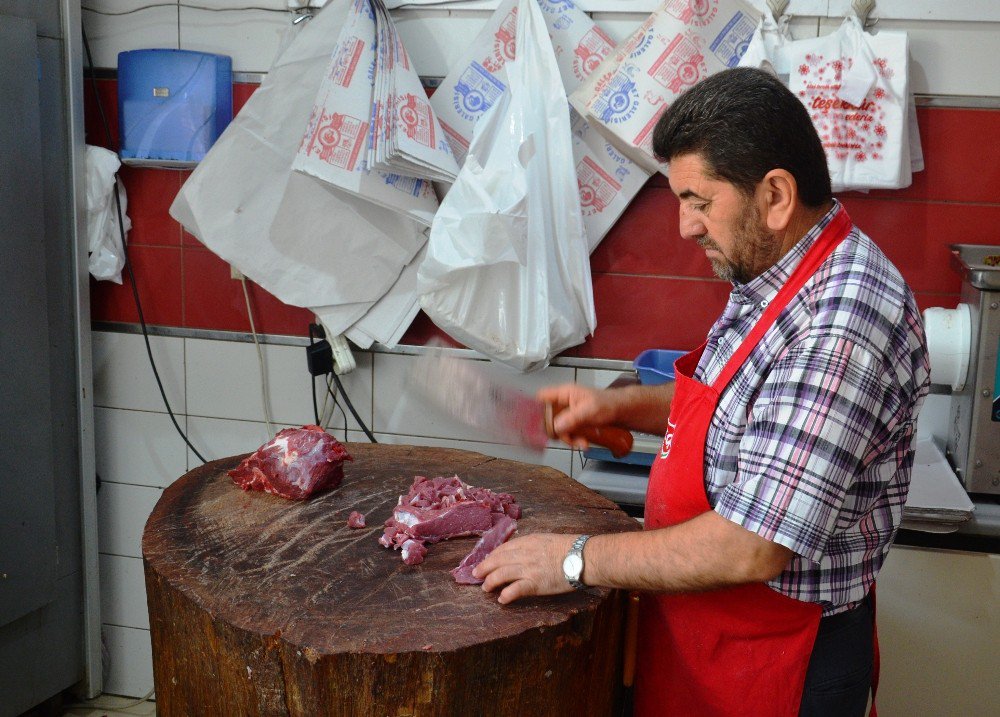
704	553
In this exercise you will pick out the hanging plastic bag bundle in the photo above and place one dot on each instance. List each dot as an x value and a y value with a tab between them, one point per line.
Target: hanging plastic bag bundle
507	270
305	241
680	43
608	180
104	236
856	88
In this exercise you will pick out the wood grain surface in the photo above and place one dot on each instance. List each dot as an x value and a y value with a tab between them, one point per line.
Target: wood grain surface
283	605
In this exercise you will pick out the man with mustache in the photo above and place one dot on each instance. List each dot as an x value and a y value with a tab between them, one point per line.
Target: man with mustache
788	435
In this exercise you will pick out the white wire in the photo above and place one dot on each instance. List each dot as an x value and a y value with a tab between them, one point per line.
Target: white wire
260	362
189	6
96	704
137	702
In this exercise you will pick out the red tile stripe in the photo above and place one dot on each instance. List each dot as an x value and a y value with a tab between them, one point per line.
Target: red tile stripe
651	288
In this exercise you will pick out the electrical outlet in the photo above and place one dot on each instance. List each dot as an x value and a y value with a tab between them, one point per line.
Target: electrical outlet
235	273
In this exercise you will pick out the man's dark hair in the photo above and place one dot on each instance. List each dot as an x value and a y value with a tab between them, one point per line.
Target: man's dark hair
743	123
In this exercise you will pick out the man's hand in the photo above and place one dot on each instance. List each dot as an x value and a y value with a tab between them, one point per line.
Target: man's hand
636	408
577	407
531	565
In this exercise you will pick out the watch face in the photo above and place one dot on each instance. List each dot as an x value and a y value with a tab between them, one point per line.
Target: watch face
573	566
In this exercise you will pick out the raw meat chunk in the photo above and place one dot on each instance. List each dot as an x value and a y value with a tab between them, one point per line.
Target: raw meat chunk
442	508
466	518
294	464
355	520
499	533
413	552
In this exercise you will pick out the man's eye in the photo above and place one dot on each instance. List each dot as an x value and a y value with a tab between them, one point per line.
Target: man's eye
700	207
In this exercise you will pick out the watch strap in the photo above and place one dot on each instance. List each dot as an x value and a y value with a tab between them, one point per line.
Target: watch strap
577	549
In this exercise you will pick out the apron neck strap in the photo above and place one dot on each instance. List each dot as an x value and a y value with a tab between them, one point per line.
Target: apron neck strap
828	240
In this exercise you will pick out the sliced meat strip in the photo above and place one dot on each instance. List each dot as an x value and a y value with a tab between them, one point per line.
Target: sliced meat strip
493	537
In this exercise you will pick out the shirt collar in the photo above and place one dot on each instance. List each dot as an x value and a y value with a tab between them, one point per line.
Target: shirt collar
765	286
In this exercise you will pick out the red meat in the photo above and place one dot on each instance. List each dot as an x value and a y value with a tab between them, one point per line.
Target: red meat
294	464
442	508
355	520
499	533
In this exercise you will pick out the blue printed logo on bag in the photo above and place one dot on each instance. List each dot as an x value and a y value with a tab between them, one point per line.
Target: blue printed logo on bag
618	102
476	91
556	6
731	43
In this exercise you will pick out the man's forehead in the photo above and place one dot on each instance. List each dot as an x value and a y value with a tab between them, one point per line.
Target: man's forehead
688	175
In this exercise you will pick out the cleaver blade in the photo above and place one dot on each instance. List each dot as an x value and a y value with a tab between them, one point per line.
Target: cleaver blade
468	391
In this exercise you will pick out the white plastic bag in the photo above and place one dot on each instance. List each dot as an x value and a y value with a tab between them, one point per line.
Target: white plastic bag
104	239
856	89
768	47
302	240
507	270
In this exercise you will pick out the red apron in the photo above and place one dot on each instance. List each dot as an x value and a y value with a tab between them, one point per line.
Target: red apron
736	651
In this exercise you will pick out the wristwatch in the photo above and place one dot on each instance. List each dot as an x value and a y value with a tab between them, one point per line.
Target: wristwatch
573	563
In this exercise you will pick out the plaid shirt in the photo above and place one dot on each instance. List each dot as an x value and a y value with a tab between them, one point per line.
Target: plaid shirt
811	443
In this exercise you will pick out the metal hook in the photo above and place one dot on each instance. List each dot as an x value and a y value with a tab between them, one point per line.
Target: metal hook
302	16
863	8
777	7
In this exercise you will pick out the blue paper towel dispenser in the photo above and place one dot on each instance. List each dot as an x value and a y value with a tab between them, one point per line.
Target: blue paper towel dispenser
172	104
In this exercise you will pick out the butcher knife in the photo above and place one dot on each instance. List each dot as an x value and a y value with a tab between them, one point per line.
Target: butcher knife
468	391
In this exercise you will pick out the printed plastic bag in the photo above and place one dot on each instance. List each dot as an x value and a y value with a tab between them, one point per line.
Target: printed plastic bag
348	121
608	180
104	239
855	86
680	43
507	270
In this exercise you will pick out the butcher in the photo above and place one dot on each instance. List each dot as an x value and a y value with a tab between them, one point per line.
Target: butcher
788	434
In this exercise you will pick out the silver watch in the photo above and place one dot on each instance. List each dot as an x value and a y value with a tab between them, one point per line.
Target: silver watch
573	563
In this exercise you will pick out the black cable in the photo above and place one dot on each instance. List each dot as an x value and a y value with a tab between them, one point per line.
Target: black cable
347	400
343	413
315	405
336	404
128	263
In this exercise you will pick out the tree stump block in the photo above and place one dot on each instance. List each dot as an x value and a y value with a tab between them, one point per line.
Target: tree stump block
265	606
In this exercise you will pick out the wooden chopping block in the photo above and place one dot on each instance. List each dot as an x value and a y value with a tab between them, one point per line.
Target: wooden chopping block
264	606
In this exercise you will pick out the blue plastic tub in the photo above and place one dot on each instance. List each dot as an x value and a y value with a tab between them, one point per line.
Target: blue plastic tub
656	366
172	104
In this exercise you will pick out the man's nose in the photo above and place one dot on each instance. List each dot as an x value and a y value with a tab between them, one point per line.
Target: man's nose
691	227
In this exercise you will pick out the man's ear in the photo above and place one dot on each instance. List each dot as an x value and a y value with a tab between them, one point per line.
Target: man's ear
778	196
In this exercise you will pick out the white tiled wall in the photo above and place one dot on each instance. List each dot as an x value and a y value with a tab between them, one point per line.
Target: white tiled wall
130	672
952	44
215	391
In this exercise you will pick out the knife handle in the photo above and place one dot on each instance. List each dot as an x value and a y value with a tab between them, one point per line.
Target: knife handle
616	440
